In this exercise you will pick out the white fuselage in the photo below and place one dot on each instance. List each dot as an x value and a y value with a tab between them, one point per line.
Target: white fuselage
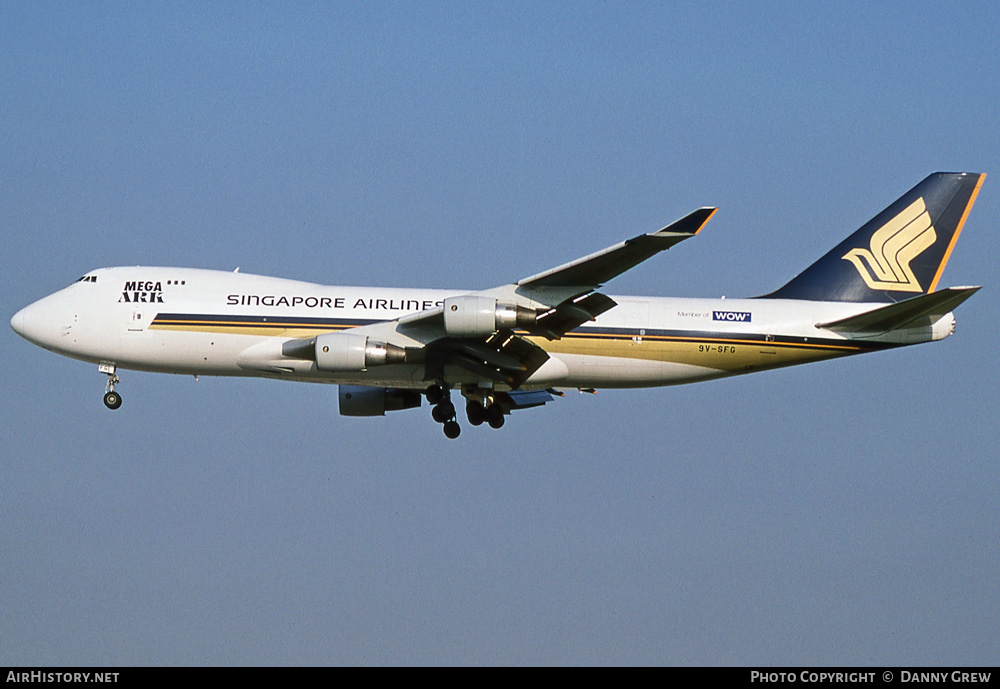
203	322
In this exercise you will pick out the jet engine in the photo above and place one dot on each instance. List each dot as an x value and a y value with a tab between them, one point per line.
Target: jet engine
473	316
349	352
362	400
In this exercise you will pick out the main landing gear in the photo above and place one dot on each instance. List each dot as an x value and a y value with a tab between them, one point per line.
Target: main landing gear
479	414
443	411
112	400
479	407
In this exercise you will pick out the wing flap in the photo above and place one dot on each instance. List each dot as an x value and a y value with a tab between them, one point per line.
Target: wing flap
488	355
503	357
525	399
571	314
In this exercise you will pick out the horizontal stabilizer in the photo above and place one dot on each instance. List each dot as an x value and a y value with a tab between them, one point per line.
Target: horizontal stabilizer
902	314
597	268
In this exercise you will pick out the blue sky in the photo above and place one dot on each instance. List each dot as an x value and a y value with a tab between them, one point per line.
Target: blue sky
837	513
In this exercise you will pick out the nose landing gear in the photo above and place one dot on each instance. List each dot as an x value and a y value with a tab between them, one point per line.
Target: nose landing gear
112	400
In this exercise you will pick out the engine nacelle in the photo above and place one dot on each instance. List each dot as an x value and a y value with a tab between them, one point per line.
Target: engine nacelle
350	352
362	400
472	316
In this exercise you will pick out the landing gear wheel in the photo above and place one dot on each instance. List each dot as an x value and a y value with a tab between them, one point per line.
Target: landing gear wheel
452	430
112	400
443	412
494	416
476	413
434	394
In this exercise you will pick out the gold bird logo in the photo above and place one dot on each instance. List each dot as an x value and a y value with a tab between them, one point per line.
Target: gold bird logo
886	265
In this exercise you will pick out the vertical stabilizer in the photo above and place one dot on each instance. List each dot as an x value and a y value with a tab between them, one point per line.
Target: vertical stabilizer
898	254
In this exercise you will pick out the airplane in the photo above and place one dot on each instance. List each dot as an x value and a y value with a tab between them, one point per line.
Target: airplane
515	346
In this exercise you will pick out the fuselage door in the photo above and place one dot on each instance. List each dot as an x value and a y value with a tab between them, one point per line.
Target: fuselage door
136	323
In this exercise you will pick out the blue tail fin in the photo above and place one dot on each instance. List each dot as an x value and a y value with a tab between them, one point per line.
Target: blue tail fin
899	253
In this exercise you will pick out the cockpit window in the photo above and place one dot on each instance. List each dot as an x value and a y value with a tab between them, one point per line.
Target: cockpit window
88	278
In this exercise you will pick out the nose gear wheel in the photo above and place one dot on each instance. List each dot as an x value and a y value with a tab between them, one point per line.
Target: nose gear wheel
112	400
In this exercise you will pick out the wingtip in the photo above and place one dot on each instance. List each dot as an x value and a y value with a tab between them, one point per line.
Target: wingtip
691	224
710	211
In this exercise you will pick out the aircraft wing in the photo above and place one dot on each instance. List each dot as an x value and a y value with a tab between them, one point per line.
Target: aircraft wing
597	268
488	334
584	275
565	297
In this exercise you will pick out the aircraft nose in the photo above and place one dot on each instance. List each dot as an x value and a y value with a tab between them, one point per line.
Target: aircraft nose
39	323
17	322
